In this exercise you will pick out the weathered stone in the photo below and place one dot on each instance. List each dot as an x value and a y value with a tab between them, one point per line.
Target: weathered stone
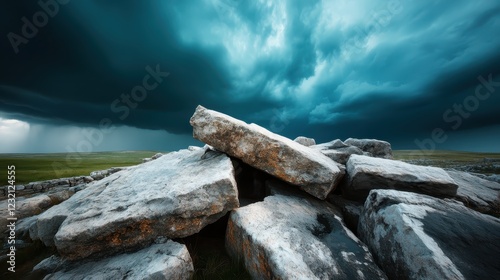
157	155
59	196
305	141
415	236
312	171
23	227
335	144
476	193
351	210
287	237
159	261
175	196
342	155
367	173
377	148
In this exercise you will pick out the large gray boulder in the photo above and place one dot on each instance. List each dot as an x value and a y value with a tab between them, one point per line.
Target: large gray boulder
414	236
366	173
174	196
170	261
290	161
377	148
476	193
288	237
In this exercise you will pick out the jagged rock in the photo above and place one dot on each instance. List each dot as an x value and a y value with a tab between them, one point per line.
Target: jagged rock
157	155
367	173
312	171
342	155
416	236
334	144
287	237
476	193
25	207
491	177
305	141
351	210
174	196
23	226
170	260
375	147
338	150
144	160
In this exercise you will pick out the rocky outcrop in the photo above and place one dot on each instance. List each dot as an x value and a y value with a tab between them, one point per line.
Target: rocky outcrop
120	225
415	236
173	196
367	173
376	148
279	156
170	260
305	141
476	193
287	237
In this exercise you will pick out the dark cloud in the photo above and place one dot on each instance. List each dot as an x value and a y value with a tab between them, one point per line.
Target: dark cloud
326	69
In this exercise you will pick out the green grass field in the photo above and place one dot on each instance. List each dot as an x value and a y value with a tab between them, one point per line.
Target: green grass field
38	167
456	156
464	161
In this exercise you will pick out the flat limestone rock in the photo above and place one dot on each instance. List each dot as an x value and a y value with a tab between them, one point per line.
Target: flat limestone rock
415	236
287	237
281	157
170	260
366	173
476	193
174	196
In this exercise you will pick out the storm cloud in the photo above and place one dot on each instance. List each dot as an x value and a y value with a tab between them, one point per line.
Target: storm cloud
395	70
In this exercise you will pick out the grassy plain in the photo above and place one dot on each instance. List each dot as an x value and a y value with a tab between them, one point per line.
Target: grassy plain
38	167
485	163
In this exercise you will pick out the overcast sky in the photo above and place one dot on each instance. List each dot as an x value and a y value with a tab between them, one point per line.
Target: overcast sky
127	75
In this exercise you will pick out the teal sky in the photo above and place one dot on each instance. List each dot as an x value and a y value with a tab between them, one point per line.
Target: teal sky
420	74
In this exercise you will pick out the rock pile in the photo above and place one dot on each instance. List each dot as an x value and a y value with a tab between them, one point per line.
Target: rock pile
294	210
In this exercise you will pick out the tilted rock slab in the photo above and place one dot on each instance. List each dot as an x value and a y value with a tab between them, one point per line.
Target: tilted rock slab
170	261
367	173
415	236
477	193
174	196
279	156
287	237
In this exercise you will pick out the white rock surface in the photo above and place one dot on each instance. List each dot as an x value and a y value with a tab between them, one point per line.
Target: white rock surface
476	193
366	173
170	261
415	236
281	157
287	237
175	196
